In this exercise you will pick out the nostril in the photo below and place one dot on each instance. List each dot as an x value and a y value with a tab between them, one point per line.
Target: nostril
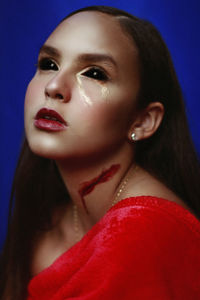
53	95
46	93
59	96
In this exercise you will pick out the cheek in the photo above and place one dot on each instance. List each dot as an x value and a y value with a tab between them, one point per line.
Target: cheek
33	100
104	100
92	103
104	104
100	108
33	93
91	91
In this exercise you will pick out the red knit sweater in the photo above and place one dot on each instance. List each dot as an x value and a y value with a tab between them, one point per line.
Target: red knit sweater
143	248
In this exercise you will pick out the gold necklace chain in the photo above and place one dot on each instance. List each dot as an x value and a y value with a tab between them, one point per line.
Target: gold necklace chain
75	221
116	199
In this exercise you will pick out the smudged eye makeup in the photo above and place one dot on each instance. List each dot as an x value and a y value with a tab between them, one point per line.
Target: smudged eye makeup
47	64
96	73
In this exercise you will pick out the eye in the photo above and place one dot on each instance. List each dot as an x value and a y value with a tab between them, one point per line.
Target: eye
96	73
47	64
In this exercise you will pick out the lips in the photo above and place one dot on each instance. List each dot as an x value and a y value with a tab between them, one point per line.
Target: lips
49	120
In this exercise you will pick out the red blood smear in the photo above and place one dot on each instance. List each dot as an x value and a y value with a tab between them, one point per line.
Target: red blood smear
88	186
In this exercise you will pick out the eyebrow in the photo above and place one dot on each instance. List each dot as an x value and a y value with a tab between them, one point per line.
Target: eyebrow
50	51
97	57
84	57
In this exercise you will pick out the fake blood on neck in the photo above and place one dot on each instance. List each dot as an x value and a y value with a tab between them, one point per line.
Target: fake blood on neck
88	186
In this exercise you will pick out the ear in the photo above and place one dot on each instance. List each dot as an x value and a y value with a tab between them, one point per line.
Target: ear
147	122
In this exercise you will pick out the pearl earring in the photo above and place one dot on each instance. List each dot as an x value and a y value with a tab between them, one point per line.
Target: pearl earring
133	136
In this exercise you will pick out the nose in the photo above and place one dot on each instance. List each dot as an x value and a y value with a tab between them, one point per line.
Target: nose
58	88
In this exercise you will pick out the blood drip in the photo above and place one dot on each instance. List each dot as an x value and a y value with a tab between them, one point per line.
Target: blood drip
88	186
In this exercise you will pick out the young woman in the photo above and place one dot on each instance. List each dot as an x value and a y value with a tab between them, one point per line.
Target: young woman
107	195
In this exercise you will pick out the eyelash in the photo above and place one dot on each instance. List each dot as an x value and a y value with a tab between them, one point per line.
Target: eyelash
46	63
96	73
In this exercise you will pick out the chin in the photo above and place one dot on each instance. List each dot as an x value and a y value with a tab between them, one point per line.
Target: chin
50	150
43	149
46	153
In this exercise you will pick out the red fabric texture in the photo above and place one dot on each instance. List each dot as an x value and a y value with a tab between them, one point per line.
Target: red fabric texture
143	248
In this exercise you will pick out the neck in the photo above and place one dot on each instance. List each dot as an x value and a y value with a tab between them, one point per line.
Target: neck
92	187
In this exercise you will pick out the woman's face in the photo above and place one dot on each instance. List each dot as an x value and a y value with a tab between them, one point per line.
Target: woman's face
88	74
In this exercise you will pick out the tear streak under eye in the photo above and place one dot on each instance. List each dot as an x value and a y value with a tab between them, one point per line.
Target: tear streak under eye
104	90
82	92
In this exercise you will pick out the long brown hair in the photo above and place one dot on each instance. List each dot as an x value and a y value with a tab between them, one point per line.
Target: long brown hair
169	155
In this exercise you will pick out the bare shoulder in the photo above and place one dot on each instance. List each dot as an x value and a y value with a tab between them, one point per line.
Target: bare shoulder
144	184
49	245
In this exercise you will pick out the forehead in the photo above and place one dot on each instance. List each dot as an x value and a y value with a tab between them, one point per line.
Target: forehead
93	32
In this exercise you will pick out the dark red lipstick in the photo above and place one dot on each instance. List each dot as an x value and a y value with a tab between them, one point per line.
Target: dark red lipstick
50	120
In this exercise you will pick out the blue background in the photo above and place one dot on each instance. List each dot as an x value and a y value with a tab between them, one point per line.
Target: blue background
25	25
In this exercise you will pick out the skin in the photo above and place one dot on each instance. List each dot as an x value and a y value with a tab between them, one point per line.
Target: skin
101	116
98	112
88	186
85	121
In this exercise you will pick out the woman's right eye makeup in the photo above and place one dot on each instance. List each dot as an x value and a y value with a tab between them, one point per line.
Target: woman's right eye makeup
47	63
